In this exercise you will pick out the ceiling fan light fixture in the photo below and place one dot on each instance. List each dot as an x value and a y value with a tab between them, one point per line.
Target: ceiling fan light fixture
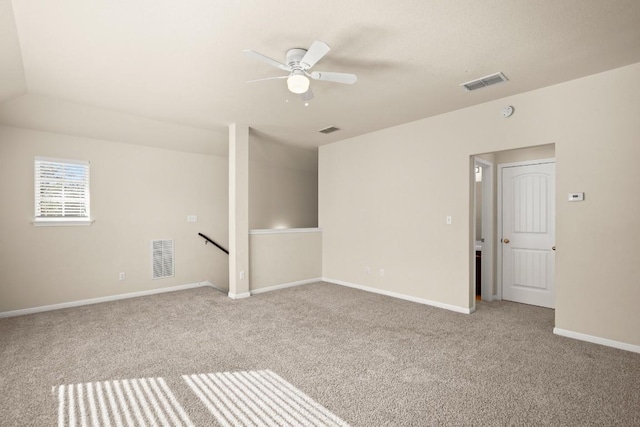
298	64
297	82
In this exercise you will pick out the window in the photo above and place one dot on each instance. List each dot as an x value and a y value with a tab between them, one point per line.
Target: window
61	192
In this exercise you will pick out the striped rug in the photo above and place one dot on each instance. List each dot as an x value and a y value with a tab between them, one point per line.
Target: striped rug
249	398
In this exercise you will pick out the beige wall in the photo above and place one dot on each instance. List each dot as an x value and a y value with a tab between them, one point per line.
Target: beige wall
53	115
12	81
281	258
384	198
478	212
547	151
490	157
137	194
283	186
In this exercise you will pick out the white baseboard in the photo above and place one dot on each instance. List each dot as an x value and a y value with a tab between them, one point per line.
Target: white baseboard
239	296
449	307
597	340
90	301
285	285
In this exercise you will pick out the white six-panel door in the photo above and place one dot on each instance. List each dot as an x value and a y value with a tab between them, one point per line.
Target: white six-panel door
528	234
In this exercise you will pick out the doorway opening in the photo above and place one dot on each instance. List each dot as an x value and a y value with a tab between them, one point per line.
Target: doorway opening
485	239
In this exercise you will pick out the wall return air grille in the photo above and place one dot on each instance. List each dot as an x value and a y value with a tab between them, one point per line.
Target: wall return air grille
163	260
485	81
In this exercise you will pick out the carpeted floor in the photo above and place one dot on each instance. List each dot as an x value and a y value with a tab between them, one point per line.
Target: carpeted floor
369	359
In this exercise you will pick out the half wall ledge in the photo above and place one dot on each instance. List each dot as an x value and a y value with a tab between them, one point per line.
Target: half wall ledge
284	230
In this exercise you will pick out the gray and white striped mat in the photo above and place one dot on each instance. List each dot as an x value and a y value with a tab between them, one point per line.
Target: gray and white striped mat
251	398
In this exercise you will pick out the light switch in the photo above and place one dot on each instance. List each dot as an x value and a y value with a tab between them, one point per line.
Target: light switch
576	197
448	220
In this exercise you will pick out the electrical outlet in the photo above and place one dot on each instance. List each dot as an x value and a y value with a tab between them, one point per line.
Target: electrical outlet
192	218
367	270
242	275
122	276
381	272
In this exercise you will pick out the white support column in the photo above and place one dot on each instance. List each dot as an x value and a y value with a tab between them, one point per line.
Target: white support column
238	211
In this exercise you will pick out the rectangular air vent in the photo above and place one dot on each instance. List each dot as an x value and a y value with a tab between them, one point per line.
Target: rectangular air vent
329	130
162	256
485	81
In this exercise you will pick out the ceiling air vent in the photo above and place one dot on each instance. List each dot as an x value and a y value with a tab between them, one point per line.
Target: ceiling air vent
485	81
329	130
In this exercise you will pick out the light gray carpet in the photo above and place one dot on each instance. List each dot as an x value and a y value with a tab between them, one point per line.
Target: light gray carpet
370	360
248	398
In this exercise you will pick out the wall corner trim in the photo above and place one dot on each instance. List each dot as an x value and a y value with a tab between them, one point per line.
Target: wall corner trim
240	295
437	304
99	300
214	286
597	340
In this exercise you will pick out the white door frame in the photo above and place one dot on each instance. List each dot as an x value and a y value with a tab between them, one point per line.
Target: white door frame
499	228
486	264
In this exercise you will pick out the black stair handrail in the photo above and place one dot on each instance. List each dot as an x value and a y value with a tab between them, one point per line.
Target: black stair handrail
209	240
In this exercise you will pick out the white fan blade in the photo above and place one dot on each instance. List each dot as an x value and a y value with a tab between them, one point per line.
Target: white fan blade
334	77
307	96
267	78
314	54
261	57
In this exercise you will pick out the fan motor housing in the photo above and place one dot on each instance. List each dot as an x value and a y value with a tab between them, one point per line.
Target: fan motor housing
294	56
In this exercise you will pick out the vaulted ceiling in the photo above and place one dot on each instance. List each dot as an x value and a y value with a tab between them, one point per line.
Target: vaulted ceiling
116	69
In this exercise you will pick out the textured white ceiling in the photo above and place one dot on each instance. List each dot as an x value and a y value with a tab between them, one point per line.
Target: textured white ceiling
181	61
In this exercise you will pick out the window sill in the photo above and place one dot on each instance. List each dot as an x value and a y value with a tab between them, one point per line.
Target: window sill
62	222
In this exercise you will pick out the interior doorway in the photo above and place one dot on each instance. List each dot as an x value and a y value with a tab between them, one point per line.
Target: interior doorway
484	218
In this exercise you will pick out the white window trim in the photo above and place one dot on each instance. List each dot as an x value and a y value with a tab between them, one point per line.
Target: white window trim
62	221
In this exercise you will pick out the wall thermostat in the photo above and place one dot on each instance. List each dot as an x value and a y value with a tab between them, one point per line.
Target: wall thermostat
576	197
507	111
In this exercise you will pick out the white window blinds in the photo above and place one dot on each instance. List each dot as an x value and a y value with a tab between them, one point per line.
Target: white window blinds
61	190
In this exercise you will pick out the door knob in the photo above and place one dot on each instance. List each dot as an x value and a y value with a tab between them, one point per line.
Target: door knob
553	248
506	240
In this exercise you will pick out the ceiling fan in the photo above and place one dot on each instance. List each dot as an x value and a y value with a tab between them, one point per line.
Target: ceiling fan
298	65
